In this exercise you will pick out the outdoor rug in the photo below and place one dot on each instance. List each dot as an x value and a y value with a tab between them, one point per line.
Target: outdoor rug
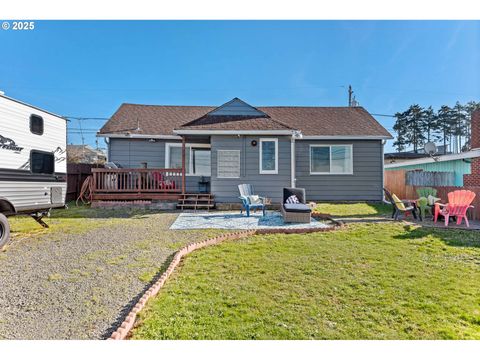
237	221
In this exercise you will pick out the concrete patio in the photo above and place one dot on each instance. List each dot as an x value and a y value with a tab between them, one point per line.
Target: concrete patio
237	221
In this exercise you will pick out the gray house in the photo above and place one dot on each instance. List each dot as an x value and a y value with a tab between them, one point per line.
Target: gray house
335	153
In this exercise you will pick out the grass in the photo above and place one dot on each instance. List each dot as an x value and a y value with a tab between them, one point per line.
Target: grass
355	209
366	281
75	219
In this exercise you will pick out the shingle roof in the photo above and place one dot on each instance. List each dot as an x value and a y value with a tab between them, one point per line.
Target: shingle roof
311	121
328	121
151	119
236	122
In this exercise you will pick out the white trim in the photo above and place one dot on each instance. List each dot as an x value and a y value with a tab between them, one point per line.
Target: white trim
266	172
344	137
140	136
465	155
239	164
189	146
243	132
330	158
383	170
233	132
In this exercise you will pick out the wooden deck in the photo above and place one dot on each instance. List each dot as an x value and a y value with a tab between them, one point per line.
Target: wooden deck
137	184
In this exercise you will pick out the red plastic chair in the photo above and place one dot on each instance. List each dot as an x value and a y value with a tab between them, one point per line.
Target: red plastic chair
458	203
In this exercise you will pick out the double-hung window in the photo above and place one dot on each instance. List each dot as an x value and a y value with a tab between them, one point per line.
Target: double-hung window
197	158
268	156
331	159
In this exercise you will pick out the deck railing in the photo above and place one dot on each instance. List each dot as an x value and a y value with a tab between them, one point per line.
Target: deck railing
166	181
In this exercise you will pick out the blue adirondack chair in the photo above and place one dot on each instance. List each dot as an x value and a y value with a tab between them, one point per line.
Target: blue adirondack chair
246	191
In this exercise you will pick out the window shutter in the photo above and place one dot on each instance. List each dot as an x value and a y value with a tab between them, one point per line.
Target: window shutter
228	163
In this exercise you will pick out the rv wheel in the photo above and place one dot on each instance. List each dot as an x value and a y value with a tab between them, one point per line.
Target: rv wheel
4	230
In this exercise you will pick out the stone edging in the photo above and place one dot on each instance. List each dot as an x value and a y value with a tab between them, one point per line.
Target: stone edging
122	331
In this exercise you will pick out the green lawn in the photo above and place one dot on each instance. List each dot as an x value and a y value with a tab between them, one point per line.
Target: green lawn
365	281
355	209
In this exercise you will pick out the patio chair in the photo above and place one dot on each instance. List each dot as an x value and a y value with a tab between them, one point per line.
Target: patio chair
426	191
458	203
250	201
295	212
400	206
423	207
431	195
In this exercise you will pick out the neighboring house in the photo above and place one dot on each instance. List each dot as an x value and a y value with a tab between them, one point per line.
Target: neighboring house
335	153
400	157
459	164
84	154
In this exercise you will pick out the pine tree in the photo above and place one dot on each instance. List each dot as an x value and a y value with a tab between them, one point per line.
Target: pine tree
431	125
445	120
401	129
458	125
415	123
469	107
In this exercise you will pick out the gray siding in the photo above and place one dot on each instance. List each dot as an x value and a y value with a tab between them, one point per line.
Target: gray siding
130	153
364	184
226	190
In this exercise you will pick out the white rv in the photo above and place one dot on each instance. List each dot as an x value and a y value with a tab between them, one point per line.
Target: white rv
33	170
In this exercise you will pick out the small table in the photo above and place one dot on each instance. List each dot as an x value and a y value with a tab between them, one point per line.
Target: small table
415	209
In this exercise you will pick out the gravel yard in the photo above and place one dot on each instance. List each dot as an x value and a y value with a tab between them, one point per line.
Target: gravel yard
74	280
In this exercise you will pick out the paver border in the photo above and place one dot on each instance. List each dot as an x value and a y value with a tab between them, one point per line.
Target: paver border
123	330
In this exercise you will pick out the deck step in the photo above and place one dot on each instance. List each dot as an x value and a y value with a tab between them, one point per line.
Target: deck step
196	206
196	201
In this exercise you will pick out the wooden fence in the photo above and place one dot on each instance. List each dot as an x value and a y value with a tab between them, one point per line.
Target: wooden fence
430	178
395	182
76	175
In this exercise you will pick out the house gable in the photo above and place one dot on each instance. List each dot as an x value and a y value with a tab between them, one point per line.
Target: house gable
237	107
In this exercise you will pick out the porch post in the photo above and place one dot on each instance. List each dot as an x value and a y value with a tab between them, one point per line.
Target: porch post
183	164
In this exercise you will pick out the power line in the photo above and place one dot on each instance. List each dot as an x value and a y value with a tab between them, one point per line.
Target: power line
86	118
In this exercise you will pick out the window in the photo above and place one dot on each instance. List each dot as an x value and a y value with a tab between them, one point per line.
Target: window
197	158
331	159
228	163
175	158
36	124
201	161
268	156
42	162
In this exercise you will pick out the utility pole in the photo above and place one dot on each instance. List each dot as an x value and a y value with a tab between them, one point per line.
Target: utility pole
350	93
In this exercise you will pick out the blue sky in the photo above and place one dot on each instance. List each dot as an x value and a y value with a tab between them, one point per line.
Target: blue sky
88	68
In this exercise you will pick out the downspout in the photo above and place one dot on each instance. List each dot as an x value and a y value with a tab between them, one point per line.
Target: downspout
295	135
292	161
383	168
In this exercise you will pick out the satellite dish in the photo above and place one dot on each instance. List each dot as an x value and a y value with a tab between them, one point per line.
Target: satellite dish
430	148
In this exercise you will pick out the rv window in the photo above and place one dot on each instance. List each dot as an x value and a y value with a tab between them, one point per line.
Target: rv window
42	162
36	124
